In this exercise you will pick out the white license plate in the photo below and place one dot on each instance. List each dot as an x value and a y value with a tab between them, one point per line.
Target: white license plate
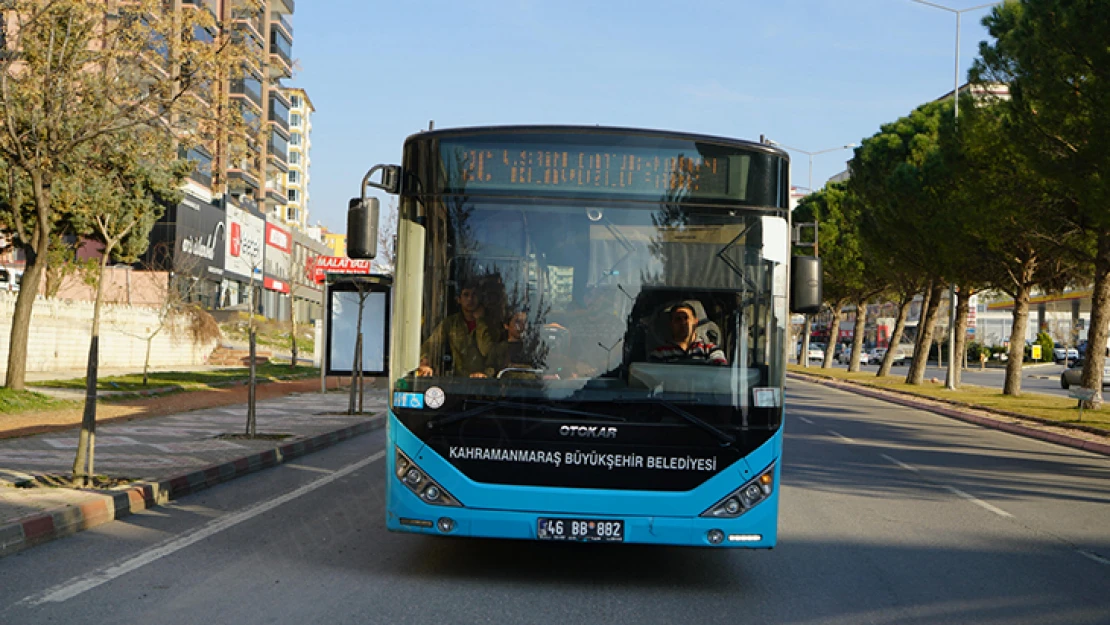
584	530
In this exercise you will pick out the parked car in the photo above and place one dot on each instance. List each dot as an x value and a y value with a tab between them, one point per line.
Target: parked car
845	356
1071	376
1060	353
816	351
10	279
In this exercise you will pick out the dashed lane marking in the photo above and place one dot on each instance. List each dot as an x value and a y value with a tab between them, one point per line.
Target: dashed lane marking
85	583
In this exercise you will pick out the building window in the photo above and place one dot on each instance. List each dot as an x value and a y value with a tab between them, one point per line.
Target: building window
295	120
295	100
295	138
293	176
294	158
292	194
291	213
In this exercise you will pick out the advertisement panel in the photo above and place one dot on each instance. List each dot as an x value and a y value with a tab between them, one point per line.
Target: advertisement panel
279	245
245	242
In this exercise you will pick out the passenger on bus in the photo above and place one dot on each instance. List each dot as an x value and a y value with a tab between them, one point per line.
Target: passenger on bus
685	346
511	353
466	334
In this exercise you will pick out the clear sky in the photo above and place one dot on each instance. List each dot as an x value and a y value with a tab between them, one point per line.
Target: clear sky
810	74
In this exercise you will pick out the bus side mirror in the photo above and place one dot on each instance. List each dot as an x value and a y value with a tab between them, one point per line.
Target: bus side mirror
805	285
362	228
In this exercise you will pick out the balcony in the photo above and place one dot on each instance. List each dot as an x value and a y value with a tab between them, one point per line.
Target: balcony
279	111
284	6
202	172
249	18
281	55
282	21
248	87
255	52
242	182
275	195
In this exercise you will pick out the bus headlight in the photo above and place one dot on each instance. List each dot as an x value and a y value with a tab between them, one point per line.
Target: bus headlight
424	487
744	498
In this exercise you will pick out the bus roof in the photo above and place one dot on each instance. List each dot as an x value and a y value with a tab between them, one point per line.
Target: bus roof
425	135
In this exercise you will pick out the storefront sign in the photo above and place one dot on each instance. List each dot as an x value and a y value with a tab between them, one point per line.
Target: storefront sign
245	240
322	265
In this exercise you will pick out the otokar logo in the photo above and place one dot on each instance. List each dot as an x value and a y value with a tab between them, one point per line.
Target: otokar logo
588	431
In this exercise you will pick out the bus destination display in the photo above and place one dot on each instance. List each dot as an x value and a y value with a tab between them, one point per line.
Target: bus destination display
652	172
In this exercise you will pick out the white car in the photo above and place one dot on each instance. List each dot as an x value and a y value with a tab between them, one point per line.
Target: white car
816	352
845	357
1061	353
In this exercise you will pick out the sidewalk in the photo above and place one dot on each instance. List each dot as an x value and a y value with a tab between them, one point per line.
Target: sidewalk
166	456
1023	426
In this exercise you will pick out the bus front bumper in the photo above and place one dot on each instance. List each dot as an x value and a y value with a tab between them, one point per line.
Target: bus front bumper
755	529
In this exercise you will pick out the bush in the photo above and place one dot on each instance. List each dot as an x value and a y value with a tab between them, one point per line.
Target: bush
1046	343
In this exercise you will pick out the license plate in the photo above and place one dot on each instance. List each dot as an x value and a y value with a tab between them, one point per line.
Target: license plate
585	530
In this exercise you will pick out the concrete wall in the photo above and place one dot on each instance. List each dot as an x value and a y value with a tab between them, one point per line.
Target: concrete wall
60	333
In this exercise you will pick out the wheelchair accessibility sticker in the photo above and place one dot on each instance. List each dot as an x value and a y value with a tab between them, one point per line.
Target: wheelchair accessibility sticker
409	400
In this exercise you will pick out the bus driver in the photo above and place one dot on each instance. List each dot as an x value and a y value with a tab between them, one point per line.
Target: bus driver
685	347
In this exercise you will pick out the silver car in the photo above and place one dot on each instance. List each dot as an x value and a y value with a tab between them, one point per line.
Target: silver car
1070	376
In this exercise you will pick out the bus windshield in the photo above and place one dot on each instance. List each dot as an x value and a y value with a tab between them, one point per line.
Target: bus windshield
631	309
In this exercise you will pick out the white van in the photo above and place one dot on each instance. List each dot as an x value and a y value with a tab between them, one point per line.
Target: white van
10	278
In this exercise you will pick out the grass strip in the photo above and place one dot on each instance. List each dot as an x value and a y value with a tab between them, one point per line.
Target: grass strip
1047	408
12	402
187	380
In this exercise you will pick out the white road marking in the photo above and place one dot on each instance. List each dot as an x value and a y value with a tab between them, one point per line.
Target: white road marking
79	585
841	436
806	420
973	499
979	502
301	467
1093	556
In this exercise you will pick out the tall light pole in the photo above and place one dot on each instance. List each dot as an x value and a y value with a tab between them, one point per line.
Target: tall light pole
803	356
950	378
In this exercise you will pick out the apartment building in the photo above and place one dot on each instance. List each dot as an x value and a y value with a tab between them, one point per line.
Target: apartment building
296	213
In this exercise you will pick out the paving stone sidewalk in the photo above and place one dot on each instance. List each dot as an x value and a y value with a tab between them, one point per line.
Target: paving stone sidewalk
166	457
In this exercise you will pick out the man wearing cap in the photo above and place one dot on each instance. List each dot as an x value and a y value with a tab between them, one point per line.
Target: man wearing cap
685	346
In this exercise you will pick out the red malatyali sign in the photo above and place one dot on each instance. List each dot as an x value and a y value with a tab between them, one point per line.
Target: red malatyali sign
337	264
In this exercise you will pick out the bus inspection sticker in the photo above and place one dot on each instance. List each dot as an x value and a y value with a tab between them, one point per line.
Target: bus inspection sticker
433	397
766	397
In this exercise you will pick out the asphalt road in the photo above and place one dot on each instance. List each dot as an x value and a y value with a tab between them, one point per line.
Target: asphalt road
888	515
1035	379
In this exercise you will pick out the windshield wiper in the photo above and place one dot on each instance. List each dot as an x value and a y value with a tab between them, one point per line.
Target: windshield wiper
724	437
541	408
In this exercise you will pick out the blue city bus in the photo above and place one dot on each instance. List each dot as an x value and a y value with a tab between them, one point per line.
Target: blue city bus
588	335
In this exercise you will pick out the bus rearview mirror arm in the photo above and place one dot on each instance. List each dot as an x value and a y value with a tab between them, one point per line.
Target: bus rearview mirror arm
363	211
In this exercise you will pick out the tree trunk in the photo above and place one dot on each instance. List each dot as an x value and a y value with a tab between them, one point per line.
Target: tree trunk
803	352
925	329
354	374
1012	384
896	337
857	339
963	303
1100	324
293	328
16	377
83	463
252	387
834	334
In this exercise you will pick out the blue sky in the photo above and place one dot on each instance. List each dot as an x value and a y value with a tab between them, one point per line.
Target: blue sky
811	74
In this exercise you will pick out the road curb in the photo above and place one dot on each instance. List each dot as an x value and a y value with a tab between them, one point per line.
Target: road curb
99	507
960	415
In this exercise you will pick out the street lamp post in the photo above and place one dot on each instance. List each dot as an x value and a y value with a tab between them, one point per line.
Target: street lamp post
803	355
953	362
